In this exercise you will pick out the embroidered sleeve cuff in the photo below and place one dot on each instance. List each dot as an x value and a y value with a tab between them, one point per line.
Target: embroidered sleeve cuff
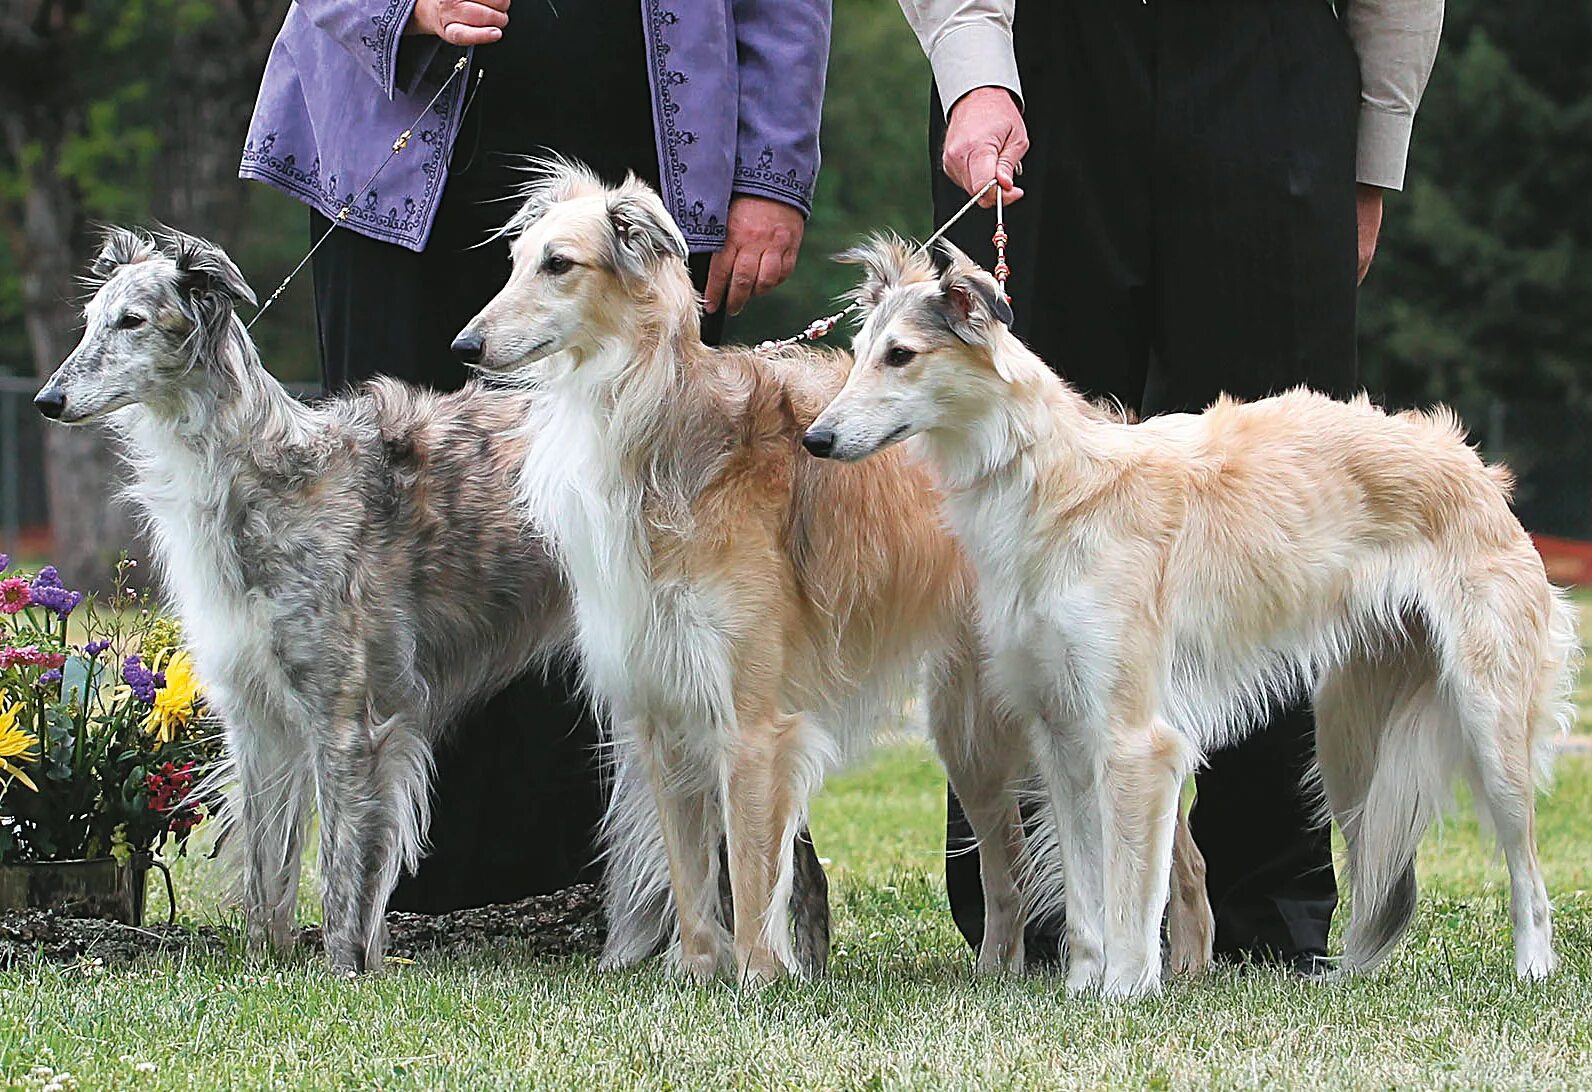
976	55
763	180
1384	144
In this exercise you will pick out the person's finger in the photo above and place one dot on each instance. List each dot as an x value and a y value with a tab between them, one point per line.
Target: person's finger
743	279
770	272
981	167
461	35
479	13
787	260
718	277
954	163
500	5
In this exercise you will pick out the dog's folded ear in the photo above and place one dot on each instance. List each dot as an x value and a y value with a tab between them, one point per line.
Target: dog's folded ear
121	246
974	305
205	268
643	230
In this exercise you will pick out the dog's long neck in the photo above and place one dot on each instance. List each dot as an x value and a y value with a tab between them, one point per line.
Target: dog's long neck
1030	433
188	454
1030	423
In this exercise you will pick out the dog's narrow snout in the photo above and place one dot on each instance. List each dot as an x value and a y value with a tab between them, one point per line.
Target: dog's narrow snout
468	347
51	402
819	441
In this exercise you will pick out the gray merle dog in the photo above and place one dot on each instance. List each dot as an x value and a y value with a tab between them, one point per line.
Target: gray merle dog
351	577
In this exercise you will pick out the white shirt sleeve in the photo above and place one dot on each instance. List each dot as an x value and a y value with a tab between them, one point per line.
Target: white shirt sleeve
968	43
1396	41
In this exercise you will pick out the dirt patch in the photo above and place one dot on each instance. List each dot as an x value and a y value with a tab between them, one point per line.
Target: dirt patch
565	923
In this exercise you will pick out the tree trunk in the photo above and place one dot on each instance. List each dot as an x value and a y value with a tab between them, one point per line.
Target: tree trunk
90	527
205	85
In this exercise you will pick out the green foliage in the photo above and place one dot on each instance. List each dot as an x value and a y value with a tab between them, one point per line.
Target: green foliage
1485	265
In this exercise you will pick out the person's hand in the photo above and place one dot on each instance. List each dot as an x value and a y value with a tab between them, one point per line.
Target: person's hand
985	138
1368	214
761	239
460	22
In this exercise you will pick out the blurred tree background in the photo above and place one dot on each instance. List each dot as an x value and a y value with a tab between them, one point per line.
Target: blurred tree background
134	110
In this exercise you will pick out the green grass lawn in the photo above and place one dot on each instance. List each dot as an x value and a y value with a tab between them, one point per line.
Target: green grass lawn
900	1007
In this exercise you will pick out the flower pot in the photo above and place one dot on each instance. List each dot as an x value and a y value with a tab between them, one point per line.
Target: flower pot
98	888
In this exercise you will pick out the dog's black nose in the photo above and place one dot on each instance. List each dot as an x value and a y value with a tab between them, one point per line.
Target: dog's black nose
819	441
468	347
51	403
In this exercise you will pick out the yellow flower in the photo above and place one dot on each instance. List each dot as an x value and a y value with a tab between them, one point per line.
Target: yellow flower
177	701
16	743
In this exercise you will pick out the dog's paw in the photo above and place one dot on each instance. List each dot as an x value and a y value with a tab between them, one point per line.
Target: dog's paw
1536	966
994	962
1131	983
757	972
1083	975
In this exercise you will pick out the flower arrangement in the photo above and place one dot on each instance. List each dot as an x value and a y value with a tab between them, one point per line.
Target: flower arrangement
104	735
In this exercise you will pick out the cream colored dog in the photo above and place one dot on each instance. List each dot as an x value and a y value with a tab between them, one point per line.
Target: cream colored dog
744	612
1197	566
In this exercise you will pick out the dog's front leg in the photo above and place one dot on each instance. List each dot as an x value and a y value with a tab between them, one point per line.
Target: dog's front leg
689	819
267	806
767	796
1073	769
1144	772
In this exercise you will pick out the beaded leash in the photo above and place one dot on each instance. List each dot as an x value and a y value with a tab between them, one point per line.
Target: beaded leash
819	328
398	145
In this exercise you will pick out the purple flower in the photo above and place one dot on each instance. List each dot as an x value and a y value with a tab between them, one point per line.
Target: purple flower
94	648
142	681
5	562
60	600
49	593
51	676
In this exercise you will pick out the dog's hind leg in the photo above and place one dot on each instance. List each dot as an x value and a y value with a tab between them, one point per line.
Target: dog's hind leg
400	816
1500	738
358	824
1190	925
267	806
984	755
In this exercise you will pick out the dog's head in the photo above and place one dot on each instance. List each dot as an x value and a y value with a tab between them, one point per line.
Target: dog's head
590	263
162	305
928	352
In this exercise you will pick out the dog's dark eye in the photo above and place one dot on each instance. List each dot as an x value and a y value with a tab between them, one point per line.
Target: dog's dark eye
899	356
130	321
556	264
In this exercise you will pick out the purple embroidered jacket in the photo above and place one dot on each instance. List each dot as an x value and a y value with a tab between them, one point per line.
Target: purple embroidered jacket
737	89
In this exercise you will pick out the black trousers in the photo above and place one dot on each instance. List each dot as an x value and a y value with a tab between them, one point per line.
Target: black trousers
1188	229
517	792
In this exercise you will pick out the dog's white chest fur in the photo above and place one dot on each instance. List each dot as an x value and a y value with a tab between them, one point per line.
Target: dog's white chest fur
227	627
653	650
1047	624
